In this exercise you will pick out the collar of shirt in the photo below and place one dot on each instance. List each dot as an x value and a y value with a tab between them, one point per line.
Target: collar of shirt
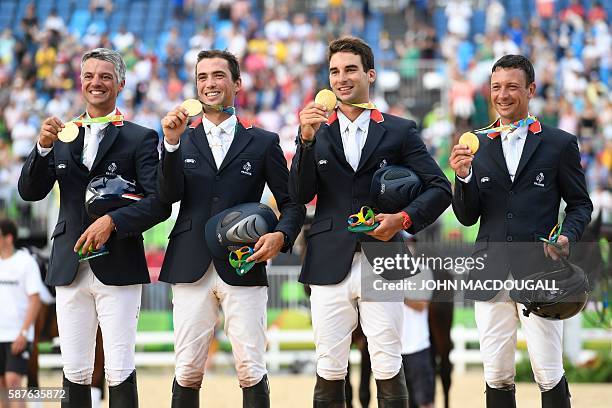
228	125
362	121
520	133
101	126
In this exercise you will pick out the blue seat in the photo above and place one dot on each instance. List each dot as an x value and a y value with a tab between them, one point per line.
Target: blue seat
79	22
439	22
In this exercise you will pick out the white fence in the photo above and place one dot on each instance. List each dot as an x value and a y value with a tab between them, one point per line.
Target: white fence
276	358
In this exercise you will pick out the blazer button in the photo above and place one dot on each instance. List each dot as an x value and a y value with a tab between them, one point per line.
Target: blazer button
511	192
215	199
509	216
509	238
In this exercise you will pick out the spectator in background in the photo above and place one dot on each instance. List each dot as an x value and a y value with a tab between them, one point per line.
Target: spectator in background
101	6
496	15
458	13
19	305
23	136
123	39
29	27
597	13
55	27
45	62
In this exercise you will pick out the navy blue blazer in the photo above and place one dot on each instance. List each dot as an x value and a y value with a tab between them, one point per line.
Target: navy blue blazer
126	149
190	175
321	169
525	209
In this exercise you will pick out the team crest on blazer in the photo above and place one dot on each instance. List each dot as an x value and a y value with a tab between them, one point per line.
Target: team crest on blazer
485	180
112	168
246	169
539	180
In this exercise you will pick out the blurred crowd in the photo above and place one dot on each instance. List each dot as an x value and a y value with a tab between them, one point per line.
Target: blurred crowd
283	60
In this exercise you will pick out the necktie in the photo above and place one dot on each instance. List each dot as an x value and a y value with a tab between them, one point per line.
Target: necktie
512	160
90	145
353	145
217	145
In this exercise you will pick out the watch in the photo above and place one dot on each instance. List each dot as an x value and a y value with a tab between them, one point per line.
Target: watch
24	333
407	223
286	242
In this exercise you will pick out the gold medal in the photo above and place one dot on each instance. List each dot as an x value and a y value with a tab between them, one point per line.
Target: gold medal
68	133
471	140
193	106
326	98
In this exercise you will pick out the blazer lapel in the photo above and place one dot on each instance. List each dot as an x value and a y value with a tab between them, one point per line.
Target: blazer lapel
333	130
531	144
241	140
76	149
110	134
201	142
496	153
375	135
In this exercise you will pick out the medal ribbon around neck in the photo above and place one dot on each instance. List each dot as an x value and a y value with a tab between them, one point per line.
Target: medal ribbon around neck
102	119
510	127
230	110
367	105
71	129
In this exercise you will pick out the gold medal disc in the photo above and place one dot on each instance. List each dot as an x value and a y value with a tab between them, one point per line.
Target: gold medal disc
68	133
193	106
471	140
326	98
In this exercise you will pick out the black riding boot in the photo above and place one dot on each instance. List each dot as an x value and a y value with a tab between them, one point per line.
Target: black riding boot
124	395
392	393
184	397
328	394
257	396
558	397
79	396
498	398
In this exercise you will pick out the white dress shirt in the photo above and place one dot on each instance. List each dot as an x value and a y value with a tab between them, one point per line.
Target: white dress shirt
219	138
354	135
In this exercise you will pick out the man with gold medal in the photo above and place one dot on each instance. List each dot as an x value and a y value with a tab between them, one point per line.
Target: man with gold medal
511	176
335	160
217	162
91	290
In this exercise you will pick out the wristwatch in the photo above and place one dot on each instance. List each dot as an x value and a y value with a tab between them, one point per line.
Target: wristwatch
286	241
24	333
407	223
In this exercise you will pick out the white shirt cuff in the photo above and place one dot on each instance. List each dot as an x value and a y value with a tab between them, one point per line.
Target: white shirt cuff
171	148
467	178
43	151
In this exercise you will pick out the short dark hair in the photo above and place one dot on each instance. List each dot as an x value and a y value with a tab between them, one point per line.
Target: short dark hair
8	227
355	46
231	59
518	62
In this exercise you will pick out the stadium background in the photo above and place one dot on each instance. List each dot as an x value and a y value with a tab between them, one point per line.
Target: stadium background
433	60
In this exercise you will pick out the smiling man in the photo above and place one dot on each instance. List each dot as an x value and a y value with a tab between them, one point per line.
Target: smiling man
216	163
335	160
513	185
104	290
